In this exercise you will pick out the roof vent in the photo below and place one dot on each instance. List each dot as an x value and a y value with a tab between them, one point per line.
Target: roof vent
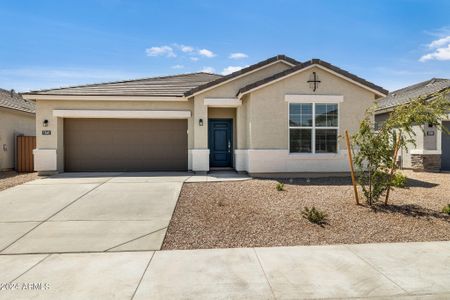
12	93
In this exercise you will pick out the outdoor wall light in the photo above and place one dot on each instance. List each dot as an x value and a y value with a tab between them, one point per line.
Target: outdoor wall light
200	122
45	123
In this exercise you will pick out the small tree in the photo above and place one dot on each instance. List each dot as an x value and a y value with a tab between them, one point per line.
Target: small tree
373	149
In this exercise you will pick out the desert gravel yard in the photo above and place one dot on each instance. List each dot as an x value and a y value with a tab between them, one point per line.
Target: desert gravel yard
254	214
12	178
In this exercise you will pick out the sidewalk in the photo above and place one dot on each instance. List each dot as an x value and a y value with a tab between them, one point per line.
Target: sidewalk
411	270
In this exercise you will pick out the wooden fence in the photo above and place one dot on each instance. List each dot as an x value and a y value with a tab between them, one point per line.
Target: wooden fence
25	146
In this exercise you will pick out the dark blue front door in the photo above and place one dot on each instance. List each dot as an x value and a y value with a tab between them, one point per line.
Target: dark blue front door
220	142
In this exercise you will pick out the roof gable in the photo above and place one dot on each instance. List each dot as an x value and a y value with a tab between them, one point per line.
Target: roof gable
241	73
313	62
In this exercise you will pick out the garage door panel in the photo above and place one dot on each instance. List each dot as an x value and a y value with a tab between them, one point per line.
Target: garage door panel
125	145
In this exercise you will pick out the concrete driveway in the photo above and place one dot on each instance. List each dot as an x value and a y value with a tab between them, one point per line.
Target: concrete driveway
89	212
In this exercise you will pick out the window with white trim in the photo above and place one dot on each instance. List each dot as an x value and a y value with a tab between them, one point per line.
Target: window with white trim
313	127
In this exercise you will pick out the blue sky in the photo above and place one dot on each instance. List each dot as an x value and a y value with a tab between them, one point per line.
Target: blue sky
49	44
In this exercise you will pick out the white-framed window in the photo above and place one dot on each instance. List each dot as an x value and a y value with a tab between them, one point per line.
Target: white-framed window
313	127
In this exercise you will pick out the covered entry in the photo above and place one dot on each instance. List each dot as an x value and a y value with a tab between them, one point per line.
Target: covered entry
125	144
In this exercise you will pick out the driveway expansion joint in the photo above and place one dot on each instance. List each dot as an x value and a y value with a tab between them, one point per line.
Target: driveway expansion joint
264	272
31	268
137	238
375	268
142	277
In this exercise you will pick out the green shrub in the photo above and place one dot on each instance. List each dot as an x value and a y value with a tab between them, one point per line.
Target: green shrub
280	186
398	180
446	209
314	215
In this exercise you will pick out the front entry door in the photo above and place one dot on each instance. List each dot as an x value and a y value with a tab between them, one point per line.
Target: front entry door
220	142
445	156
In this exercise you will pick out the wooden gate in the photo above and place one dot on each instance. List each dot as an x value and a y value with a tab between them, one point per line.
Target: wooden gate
24	150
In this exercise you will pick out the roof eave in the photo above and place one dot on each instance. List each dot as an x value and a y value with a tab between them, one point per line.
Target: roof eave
31	96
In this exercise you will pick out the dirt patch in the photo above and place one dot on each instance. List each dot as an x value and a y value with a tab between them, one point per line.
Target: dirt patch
11	178
254	214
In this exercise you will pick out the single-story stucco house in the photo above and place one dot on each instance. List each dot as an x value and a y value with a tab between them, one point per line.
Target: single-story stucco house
431	151
17	117
276	116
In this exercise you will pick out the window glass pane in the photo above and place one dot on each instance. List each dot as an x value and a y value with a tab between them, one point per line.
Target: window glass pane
300	141
332	115
326	115
321	115
294	120
326	140
300	114
294	108
306	115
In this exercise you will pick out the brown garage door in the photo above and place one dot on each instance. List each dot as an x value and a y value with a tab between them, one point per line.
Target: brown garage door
125	145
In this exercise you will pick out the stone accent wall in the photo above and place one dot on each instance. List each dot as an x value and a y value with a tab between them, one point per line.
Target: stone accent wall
426	162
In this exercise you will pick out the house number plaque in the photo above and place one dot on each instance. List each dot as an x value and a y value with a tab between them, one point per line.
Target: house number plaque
46	132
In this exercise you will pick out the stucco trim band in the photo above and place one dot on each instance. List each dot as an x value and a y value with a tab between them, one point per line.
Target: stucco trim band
123	114
314	98
425	152
280	160
222	102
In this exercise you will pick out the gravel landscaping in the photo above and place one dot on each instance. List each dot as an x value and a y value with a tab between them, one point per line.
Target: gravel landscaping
254	214
12	178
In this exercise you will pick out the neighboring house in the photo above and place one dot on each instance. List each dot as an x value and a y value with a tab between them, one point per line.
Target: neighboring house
17	117
432	149
276	116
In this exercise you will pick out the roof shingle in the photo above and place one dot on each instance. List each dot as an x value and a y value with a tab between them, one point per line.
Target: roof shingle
421	89
166	86
12	100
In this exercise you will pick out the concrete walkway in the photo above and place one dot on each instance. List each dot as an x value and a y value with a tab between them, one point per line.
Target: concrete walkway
92	212
382	271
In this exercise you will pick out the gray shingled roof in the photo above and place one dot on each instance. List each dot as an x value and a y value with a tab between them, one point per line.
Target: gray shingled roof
421	89
12	100
166	86
313	61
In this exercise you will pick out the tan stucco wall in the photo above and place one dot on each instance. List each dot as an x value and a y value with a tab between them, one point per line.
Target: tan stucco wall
13	123
242	124
44	110
268	110
228	90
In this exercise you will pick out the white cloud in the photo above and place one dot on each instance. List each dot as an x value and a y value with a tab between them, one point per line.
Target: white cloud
186	49
177	67
231	69
194	58
206	53
440	42
441	50
160	51
208	70
238	55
